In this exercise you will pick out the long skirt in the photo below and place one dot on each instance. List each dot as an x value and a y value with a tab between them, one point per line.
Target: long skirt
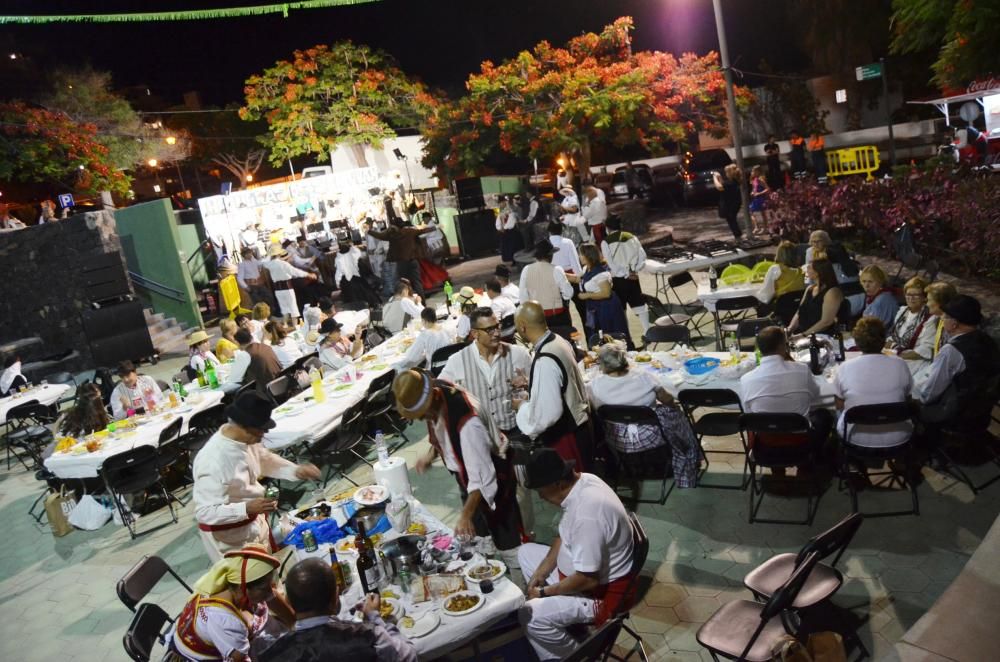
510	243
608	316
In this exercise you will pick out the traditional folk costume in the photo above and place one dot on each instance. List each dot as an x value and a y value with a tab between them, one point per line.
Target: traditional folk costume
556	413
626	257
227	474
212	628
282	273
546	283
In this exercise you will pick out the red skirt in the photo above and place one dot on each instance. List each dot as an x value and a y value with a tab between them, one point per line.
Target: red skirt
432	276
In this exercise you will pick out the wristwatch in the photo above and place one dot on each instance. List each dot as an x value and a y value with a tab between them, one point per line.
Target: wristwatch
541	591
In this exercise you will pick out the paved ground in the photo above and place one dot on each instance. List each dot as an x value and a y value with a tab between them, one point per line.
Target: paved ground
58	598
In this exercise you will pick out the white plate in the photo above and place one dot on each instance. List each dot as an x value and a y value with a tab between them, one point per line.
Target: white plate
496	564
380	490
422	625
480	601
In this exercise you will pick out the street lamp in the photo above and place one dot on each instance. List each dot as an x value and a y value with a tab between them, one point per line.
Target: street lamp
171	140
152	163
249	178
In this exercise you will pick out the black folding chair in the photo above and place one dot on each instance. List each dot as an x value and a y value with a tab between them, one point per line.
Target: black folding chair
749	328
778	441
146	628
171	451
715	424
131	472
280	389
733	310
440	356
380	410
692	311
674	334
142	577
875	416
28	433
598	646
345	439
202	426
825	579
785	307
745	630
630	415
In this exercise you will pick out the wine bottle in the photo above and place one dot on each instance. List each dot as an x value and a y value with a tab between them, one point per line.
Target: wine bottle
814	355
369	570
841	351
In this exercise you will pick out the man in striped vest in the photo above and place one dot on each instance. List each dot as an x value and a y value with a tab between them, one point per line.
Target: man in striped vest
490	369
546	284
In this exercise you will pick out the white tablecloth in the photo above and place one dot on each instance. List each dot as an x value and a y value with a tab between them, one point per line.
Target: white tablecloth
709	297
88	465
697	262
48	394
310	421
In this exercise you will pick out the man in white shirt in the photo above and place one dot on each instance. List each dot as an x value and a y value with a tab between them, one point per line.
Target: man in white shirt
556	412
405	305
546	284
472	449
626	257
779	385
241	361
586	574
250	278
431	338
595	213
229	502
509	289
500	303
132	391
571	216
565	251
282	274
872	378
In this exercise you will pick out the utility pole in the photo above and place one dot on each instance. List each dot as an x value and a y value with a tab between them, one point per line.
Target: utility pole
888	113
731	111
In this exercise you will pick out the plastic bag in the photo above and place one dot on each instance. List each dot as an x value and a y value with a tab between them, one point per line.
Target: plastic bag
325	531
89	515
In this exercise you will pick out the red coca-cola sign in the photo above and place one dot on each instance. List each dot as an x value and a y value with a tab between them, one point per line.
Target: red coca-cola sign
984	85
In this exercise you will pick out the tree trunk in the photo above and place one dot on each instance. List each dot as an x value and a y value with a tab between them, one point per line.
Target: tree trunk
583	162
358	152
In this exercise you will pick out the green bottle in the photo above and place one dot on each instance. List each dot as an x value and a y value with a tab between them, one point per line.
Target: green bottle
756	353
211	377
448	289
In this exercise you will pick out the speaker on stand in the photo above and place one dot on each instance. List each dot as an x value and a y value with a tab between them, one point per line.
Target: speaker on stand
115	325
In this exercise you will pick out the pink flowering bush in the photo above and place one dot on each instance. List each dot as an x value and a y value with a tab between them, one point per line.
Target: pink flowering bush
955	217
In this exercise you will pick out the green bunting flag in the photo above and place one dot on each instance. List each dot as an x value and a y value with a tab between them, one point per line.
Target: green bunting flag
193	15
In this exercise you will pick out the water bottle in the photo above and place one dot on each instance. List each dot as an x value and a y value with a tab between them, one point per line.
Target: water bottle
734	348
319	395
381	448
713	278
814	355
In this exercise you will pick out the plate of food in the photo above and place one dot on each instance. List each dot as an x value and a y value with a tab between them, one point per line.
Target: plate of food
462	603
418	626
371	495
380	366
491	569
368	357
390	608
345	546
343	387
643	358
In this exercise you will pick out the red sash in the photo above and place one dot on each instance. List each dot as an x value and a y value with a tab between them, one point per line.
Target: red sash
609	597
187	635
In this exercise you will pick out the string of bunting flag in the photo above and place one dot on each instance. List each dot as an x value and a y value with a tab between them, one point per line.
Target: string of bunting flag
183	15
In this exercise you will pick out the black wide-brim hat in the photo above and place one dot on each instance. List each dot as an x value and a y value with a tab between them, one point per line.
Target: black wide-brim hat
544	249
252	411
544	467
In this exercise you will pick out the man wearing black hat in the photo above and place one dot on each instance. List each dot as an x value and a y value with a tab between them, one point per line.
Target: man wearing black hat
963	368
502	272
229	501
585	575
545	283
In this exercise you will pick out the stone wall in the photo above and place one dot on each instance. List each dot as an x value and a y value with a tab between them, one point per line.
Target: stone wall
41	291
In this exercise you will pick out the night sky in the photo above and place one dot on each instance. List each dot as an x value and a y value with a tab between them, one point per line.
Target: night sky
439	41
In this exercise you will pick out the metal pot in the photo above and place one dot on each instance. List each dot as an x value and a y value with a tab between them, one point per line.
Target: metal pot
402	553
369	516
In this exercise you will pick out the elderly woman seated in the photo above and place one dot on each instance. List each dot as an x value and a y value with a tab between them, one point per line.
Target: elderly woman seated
912	333
939	295
617	385
880	302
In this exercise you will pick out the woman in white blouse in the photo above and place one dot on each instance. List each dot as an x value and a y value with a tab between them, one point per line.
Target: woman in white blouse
912	332
285	348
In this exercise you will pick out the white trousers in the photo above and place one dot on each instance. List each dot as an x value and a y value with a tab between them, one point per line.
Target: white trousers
286	299
545	619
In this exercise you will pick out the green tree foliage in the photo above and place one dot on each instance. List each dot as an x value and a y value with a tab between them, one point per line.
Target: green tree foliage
326	96
221	138
964	32
39	145
594	91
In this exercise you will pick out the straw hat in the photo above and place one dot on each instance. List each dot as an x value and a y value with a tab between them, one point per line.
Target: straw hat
276	251
466	295
197	337
568	190
414	393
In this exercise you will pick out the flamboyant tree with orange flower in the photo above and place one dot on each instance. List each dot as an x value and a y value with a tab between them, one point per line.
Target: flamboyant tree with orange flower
39	145
327	96
594	91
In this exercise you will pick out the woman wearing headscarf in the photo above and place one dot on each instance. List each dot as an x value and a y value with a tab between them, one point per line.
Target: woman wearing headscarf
228	613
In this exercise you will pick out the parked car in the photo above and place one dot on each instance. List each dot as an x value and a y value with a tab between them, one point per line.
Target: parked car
697	174
619	189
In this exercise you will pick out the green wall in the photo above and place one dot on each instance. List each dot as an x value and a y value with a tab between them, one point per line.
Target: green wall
153	248
446	218
502	184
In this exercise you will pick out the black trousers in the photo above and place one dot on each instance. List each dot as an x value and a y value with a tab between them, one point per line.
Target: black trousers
503	523
733	222
629	291
410	269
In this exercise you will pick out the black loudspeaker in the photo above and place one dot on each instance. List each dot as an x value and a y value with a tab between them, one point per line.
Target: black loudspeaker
117	333
477	233
104	278
470	193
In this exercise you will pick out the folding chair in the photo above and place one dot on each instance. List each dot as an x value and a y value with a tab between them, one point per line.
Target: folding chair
630	415
134	471
599	644
280	389
745	630
691	308
734	309
27	430
777	441
440	356
824	581
348	435
873	416
142	577
970	434
144	631
749	328
674	333
786	306
380	410
715	424
170	450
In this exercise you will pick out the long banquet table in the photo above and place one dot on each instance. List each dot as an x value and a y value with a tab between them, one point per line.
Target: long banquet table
88	465
45	394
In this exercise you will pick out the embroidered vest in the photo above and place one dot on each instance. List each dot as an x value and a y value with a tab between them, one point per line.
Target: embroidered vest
491	393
